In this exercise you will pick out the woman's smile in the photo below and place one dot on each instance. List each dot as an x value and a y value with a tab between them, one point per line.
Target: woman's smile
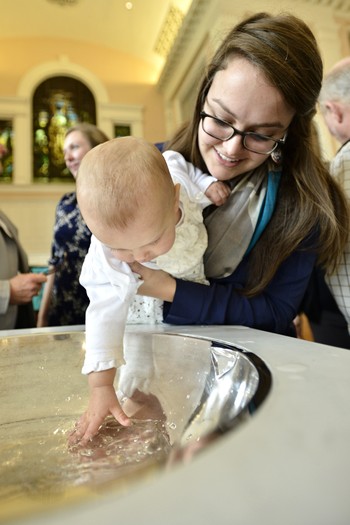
225	159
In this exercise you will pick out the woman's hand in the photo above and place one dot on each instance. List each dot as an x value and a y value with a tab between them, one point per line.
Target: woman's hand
156	283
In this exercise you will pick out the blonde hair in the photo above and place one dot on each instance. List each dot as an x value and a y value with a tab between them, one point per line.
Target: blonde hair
92	133
117	177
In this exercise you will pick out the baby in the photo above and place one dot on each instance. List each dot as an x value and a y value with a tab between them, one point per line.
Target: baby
137	210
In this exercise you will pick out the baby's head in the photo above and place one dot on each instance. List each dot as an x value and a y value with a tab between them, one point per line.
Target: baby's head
128	199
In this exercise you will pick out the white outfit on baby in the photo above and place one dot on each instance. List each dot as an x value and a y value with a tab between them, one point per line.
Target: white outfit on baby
112	286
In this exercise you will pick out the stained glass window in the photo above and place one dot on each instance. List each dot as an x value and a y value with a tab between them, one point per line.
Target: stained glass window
58	104
6	150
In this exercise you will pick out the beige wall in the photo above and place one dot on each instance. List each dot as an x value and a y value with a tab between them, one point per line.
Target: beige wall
31	207
33	212
328	19
114	70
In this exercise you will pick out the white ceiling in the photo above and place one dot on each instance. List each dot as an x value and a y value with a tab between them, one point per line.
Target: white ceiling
106	22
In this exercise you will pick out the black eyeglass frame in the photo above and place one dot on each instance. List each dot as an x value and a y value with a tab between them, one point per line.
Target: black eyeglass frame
243	134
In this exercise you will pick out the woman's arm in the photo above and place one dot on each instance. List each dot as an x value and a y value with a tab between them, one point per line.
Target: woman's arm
56	250
156	283
45	301
221	302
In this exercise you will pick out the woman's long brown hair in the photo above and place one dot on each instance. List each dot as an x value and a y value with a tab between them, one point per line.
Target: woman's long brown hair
309	200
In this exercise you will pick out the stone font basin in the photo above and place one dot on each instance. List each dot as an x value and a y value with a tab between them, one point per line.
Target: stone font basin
190	391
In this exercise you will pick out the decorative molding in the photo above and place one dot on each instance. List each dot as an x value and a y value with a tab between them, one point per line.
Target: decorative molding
63	66
64	3
191	23
169	31
123	112
194	19
111	114
27	192
336	5
13	106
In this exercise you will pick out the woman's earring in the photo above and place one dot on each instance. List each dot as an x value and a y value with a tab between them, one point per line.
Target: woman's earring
277	156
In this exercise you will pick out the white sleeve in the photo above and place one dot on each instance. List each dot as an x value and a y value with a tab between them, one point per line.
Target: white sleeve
110	285
195	181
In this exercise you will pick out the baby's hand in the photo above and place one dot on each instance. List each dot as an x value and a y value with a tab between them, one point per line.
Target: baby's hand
218	192
103	402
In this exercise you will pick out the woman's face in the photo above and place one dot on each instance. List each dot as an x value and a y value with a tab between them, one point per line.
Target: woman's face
76	146
241	96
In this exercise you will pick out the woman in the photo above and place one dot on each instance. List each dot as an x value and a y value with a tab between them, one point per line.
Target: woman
252	127
64	300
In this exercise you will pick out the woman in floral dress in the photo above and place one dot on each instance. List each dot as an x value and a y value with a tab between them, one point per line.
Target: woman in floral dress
64	300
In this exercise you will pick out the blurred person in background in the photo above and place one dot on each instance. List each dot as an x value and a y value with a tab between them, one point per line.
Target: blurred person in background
64	300
18	285
334	103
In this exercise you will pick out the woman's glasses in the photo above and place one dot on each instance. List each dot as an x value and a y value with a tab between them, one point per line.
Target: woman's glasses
221	130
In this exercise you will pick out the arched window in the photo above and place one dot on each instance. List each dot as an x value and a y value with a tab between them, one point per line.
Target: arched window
58	103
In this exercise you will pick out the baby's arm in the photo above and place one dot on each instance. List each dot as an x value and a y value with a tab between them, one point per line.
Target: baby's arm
102	403
196	181
110	285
